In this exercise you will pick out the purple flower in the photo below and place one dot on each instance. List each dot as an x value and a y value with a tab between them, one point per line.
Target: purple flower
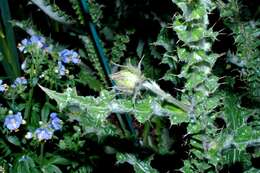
13	122
68	56
43	133
55	122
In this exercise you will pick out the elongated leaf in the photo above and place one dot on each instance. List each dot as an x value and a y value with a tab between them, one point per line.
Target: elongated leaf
51	169
10	60
13	140
24	164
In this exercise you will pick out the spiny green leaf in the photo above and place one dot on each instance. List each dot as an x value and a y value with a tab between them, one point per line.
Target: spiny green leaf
177	115
87	77
53	12
143	110
140	166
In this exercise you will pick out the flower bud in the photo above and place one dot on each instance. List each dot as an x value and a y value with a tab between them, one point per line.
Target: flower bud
128	79
29	135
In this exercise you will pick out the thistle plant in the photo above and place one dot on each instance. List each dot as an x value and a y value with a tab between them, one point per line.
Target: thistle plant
246	35
60	114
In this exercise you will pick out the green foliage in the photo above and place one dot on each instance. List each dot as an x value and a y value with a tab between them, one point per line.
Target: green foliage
97	109
92	111
8	52
246	34
27	26
238	134
24	163
76	7
139	165
201	89
96	13
93	57
119	47
53	11
179	103
87	77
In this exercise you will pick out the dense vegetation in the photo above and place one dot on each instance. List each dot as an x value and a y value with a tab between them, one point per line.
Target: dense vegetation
129	86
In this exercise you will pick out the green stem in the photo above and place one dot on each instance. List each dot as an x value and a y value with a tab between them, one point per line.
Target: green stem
28	104
7	42
146	133
7	60
155	88
122	124
41	153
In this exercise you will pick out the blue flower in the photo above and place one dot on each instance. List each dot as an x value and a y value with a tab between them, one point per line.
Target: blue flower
13	122
68	56
2	86
75	60
24	65
55	122
23	44
36	40
61	69
43	133
19	81
53	115
65	55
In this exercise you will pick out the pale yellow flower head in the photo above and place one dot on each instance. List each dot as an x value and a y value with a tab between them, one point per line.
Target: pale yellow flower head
128	79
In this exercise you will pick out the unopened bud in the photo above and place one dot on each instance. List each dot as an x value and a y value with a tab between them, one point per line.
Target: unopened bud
128	79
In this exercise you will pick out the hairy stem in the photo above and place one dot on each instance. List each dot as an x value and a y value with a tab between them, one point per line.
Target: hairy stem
155	88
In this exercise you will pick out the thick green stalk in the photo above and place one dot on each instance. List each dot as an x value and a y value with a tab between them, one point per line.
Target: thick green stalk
146	133
29	104
41	153
155	88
